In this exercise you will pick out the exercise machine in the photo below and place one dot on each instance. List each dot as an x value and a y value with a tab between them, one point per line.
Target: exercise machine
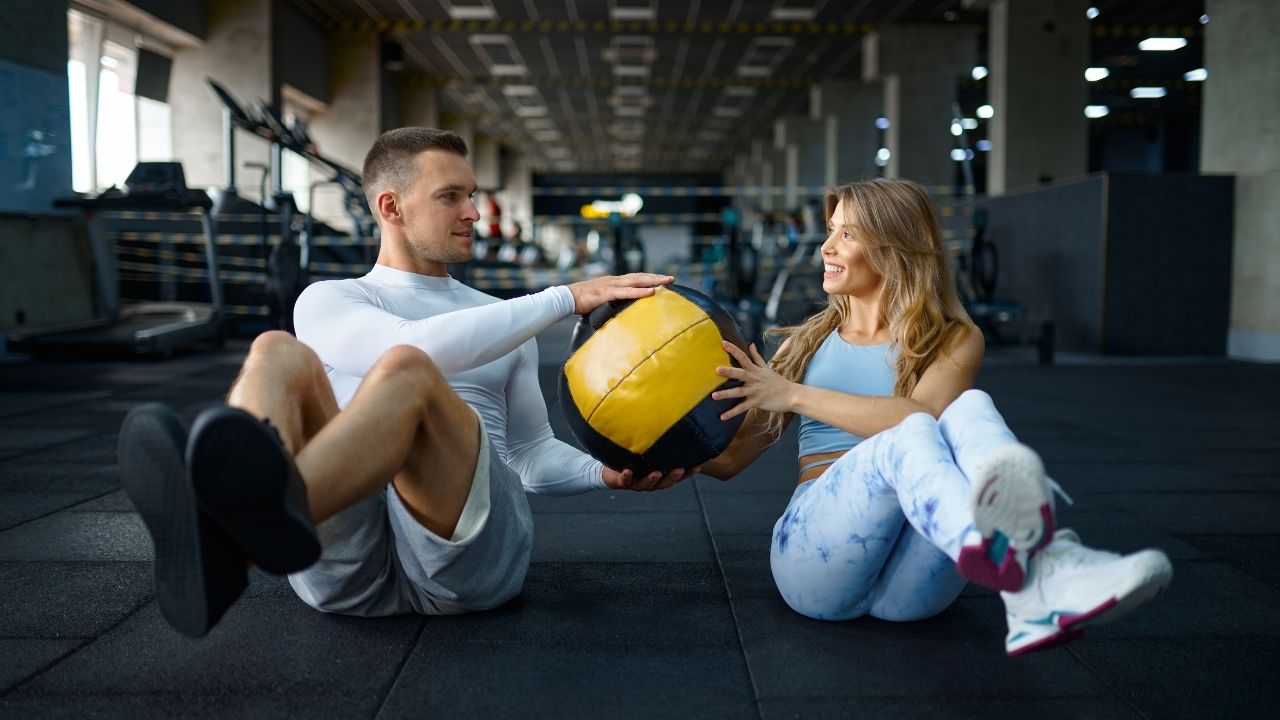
143	328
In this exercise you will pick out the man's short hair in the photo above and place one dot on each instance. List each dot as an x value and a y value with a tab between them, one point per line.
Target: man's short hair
392	161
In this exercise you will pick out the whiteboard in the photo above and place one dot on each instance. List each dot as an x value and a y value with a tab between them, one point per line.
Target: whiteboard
35	138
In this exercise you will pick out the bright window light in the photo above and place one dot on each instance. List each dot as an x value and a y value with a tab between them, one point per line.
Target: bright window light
979	72
1159	44
984	145
882	123
986	111
1096	111
1139	93
1197	75
1096	74
1091	13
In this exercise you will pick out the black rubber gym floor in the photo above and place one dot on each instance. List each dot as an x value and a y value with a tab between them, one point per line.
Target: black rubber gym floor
662	605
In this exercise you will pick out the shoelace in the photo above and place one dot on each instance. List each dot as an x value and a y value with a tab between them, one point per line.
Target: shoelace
1057	489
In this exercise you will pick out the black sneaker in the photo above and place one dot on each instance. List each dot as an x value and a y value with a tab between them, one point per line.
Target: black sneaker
199	572
247	483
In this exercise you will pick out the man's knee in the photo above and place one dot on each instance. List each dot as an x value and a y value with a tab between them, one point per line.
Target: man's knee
278	346
408	364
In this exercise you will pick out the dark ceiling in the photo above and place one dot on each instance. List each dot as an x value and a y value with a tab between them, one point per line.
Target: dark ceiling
661	85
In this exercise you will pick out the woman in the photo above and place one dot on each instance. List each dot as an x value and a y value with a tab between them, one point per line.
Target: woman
910	482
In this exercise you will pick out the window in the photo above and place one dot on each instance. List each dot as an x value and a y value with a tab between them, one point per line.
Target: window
112	127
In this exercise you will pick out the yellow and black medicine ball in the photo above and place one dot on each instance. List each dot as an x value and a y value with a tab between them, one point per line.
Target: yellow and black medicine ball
636	388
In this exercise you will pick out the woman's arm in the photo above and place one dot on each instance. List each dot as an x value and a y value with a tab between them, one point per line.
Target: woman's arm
752	439
951	374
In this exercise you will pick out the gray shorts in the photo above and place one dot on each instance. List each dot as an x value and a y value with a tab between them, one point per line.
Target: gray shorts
378	560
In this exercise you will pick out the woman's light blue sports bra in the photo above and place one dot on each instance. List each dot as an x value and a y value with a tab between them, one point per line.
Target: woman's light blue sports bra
854	369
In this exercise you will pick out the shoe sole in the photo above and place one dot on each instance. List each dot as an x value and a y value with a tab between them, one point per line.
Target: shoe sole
1148	579
244	480
1012	511
189	550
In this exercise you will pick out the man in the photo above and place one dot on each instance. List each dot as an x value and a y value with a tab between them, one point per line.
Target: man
382	457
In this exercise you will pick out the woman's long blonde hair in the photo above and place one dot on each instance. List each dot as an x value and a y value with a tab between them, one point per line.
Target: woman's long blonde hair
902	242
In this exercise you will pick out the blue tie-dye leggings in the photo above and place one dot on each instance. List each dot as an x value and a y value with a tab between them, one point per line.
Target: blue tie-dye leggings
878	532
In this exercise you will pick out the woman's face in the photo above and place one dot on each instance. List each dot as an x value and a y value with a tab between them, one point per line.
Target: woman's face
845	270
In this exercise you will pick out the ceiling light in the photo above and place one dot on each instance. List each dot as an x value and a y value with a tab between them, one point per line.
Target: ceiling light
986	112
984	145
763	56
793	12
1204	19
470	10
882	157
622	10
1159	44
1197	75
979	72
957	154
499	54
1095	74
1091	13
969	123
956	128
882	123
1139	93
1096	111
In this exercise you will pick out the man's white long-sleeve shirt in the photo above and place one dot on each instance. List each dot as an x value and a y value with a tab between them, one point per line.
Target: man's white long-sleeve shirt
483	346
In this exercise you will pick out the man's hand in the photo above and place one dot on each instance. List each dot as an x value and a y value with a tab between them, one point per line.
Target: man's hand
591	294
627	480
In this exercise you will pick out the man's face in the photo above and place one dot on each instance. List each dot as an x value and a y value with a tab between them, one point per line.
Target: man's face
438	210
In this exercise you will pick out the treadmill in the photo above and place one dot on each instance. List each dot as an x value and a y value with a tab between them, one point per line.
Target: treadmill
141	328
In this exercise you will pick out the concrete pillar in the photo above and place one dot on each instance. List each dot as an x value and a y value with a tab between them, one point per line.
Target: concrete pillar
808	137
919	66
849	111
1038	51
464	128
420	105
516	196
485	163
237	54
353	120
1239	136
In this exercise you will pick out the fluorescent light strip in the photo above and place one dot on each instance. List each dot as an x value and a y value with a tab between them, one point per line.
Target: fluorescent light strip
1162	44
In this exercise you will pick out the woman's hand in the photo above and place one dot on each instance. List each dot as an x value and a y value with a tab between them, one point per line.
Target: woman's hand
761	386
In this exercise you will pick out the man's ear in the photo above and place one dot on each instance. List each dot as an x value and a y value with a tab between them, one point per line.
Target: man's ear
388	207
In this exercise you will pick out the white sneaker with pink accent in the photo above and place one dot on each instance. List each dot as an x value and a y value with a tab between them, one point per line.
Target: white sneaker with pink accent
1072	587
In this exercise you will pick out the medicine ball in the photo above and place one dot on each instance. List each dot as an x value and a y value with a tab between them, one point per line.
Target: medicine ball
637	385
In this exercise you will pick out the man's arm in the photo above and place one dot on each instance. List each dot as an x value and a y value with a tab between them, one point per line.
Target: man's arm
545	464
339	321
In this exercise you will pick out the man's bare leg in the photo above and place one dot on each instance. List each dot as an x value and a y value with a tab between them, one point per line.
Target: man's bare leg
404	425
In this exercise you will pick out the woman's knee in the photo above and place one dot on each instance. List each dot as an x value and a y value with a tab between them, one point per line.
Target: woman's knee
918	424
968	400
